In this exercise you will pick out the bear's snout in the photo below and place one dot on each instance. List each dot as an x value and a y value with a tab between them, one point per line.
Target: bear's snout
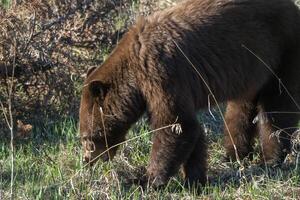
90	158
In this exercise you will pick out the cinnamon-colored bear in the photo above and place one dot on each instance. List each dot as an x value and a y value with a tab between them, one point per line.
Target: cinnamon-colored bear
175	62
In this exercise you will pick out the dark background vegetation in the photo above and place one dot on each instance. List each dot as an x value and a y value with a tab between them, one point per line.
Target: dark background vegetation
47	45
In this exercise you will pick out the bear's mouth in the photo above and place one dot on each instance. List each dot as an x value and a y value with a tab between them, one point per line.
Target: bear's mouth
92	157
93	152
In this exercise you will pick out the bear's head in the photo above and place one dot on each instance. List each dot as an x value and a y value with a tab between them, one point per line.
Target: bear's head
100	129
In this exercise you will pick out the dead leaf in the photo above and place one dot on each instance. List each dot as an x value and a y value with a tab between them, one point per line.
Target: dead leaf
23	130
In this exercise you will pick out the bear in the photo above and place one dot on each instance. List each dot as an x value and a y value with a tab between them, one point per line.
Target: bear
181	60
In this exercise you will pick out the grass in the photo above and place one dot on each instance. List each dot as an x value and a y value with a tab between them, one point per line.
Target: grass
48	166
5	3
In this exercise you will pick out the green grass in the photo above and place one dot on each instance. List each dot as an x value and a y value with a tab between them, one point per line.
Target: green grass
5	3
48	166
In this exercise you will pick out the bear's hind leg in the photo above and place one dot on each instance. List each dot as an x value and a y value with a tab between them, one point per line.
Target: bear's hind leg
279	109
278	121
241	129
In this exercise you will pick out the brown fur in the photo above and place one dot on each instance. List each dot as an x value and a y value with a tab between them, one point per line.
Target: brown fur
147	72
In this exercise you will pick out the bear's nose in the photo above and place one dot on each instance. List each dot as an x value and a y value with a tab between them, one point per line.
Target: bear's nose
86	159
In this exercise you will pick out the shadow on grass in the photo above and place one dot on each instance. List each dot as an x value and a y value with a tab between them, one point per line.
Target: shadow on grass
254	173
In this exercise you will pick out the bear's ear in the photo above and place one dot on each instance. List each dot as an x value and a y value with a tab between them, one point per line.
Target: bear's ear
90	70
98	89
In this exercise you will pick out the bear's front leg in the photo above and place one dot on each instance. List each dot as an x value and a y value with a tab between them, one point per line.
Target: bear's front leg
195	168
173	147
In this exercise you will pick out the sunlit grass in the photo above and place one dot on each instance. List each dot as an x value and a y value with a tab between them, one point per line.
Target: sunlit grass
48	166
